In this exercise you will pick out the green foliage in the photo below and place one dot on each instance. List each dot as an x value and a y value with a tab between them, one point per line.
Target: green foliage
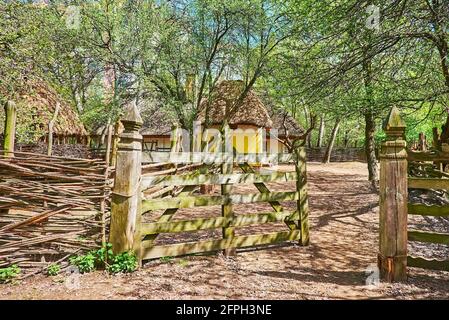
53	270
104	258
85	263
166	259
9	273
122	263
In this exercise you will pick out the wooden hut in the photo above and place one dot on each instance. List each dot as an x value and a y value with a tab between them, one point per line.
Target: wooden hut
156	130
287	127
36	106
249	121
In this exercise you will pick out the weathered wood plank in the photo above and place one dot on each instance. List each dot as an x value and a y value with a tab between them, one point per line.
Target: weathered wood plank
431	264
227	212
261	187
211	157
303	201
427	156
215	245
169	213
428	183
425	210
429	237
201	201
199	179
217	222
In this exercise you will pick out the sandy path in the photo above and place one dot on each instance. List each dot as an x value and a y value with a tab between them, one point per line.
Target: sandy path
344	218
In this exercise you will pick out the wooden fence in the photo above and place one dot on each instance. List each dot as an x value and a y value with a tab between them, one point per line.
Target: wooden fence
395	164
423	164
128	232
51	207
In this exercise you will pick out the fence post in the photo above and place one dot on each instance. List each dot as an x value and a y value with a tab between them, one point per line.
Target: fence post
301	188
227	168
10	128
126	208
393	201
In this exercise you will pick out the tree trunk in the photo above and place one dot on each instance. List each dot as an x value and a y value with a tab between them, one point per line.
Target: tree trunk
319	143
370	147
370	125
330	146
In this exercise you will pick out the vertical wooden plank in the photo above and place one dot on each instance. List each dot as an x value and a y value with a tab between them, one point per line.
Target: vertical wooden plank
10	128
301	188
126	209
108	145
226	209
50	129
115	141
393	201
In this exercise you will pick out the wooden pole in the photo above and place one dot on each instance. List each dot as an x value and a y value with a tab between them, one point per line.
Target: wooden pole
108	145
126	208
10	128
50	130
226	209
301	188
115	141
393	201
422	144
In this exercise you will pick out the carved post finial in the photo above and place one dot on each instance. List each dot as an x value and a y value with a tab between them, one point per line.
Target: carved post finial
131	120
393	199
394	126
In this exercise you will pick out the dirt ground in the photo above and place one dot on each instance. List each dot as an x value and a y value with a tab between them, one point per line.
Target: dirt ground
336	265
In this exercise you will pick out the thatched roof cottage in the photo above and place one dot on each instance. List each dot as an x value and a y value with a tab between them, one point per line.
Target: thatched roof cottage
248	121
36	107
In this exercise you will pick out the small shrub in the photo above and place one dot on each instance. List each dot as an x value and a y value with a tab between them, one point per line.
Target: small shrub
104	258
85	263
53	270
8	274
125	262
104	254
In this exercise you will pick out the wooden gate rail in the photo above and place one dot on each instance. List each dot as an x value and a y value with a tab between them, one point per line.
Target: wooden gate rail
129	233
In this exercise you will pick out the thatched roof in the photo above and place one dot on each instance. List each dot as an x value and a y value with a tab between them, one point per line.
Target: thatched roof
282	120
157	122
36	105
252	111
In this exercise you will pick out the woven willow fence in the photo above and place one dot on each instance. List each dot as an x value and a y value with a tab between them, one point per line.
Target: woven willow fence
51	207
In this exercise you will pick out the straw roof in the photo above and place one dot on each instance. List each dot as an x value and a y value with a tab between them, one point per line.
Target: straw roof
157	122
282	120
39	101
251	112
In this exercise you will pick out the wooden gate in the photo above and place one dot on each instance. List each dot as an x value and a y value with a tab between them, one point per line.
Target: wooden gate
432	179
128	232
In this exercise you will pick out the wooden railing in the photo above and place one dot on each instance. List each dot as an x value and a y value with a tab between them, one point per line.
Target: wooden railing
441	183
